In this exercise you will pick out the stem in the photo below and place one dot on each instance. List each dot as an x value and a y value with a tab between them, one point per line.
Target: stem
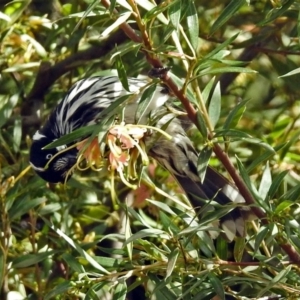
191	112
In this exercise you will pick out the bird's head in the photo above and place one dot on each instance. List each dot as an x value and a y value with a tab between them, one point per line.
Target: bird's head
47	164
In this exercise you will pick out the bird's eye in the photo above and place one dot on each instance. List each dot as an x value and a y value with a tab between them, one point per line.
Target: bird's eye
48	156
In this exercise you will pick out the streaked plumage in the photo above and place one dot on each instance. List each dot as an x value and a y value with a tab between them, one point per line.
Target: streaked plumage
81	107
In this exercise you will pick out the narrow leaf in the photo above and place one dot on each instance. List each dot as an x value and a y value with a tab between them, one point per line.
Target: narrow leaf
172	259
174	12
266	182
21	207
225	70
207	90
226	14
294	72
58	290
73	244
31	259
120	292
203	161
277	12
193	24
122	73
235	115
145	102
214	52
276	183
214	109
264	230
217	285
201	125
146	232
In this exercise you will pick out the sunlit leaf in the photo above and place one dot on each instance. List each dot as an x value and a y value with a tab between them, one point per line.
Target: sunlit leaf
145	102
193	24
172	259
122	73
174	12
214	108
120	291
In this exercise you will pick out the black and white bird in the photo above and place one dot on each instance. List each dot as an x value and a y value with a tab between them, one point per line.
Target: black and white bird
81	107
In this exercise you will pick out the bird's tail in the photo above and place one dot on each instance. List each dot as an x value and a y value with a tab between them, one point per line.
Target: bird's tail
179	157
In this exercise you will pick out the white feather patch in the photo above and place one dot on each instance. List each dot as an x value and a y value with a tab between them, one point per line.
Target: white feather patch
38	136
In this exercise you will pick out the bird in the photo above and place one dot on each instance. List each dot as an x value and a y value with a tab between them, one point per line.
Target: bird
84	104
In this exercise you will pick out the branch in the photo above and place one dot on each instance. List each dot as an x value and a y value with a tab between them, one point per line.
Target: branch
48	74
191	112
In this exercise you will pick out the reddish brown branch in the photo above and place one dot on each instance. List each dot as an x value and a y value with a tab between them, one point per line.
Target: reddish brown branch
155	62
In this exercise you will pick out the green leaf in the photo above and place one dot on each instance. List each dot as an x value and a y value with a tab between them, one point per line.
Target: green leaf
292	194
276	183
226	14
172	259
294	72
40	50
203	160
265	183
283	206
85	14
193	24
244	175
22	206
17	134
201	125
217	285
225	70
27	260
240	135
263	157
174	12
214	52
214	108
58	290
207	90
73	136
21	67
73	244
111	6
122	73
120	291
155	11
277	12
7	105
168	223
239	249
145	102
145	233
162	206
72	263
222	248
263	231
91	294
161	290
235	115
281	276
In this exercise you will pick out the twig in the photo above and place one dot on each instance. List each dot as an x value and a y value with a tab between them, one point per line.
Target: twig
223	157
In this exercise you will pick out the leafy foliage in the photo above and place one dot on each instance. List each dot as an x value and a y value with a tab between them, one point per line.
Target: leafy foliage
83	241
